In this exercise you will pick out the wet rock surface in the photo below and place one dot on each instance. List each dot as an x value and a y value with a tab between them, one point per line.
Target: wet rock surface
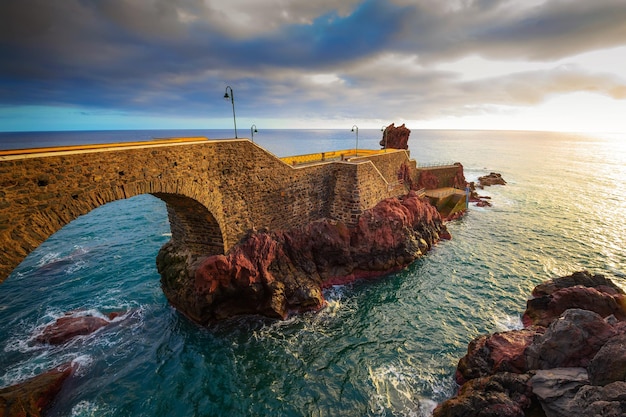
571	356
275	273
485	181
31	397
73	324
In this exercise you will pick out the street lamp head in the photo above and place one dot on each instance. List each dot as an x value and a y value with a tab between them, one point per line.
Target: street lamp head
231	96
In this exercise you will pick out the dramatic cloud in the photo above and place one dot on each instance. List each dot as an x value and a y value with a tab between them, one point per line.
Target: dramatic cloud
288	59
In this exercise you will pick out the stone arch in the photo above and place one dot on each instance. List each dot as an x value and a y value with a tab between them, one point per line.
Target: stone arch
193	226
191	223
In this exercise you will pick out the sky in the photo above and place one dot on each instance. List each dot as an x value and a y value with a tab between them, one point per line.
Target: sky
556	65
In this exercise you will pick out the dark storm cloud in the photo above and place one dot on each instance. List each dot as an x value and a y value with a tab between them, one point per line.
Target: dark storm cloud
550	31
172	57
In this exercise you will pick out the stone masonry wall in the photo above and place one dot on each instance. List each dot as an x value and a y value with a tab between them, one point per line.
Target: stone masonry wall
216	187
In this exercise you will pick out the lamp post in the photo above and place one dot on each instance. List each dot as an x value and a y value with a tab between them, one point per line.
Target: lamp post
384	130
356	148
253	131
232	100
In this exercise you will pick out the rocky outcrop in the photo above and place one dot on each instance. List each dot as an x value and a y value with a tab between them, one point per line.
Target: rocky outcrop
31	397
71	325
581	290
277	272
485	181
492	179
395	137
571	356
501	395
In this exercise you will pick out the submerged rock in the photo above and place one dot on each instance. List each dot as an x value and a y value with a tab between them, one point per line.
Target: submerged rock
31	397
274	273
72	325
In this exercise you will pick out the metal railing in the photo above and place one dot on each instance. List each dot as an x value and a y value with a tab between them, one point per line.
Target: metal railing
436	164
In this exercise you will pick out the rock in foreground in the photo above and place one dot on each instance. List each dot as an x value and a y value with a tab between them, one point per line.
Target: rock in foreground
273	273
569	359
31	397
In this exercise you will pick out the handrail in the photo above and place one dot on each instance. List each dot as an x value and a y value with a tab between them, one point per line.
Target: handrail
437	164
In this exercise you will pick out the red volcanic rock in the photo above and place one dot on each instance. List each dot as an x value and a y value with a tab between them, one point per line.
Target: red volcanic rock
274	273
70	326
500	352
395	137
31	397
428	180
609	364
459	178
582	278
605	401
544	309
577	363
571	341
492	179
500	395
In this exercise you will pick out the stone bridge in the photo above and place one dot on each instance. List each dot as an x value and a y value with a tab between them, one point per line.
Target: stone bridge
215	191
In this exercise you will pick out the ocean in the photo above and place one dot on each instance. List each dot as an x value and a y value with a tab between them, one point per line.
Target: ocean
385	347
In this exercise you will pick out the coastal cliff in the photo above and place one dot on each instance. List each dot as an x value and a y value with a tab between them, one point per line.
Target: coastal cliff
568	360
274	273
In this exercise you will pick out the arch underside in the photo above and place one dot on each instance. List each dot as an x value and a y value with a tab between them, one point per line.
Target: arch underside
191	223
193	226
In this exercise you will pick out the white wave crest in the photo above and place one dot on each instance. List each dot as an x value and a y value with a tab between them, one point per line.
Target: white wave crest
396	392
504	322
82	363
91	409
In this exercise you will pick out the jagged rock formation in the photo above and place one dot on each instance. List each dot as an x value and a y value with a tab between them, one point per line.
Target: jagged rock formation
568	360
277	272
31	397
395	137
485	181
492	179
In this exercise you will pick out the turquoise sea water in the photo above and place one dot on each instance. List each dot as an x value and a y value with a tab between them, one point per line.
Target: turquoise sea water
386	347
